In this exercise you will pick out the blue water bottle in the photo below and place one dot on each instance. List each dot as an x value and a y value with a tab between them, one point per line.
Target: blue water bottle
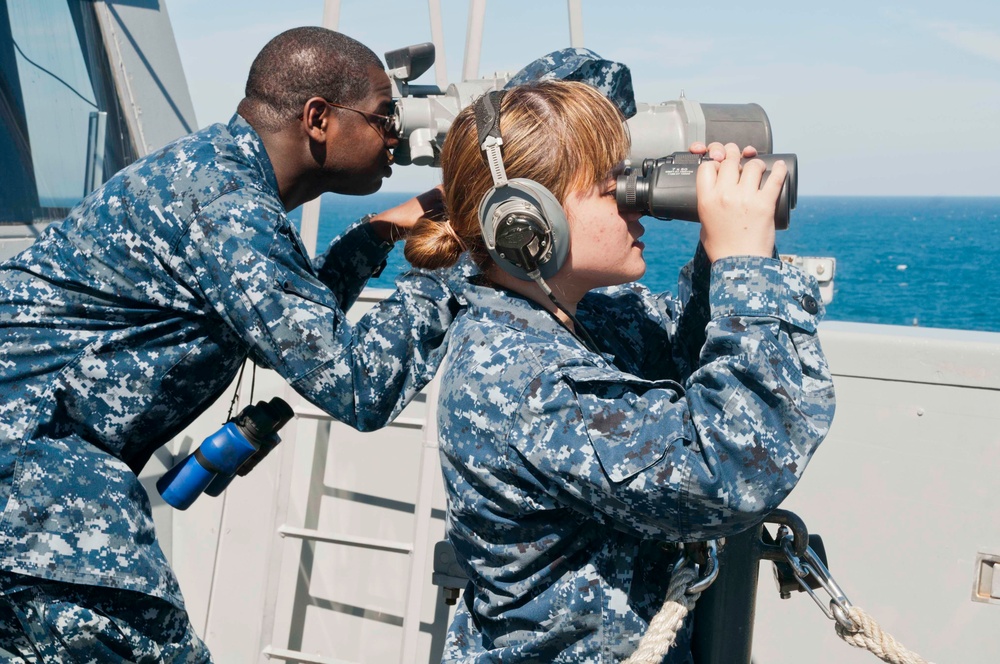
234	449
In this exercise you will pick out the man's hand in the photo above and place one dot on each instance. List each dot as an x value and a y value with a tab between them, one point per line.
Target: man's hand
736	213
396	223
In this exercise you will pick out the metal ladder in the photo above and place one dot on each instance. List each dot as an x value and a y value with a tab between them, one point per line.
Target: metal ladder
417	549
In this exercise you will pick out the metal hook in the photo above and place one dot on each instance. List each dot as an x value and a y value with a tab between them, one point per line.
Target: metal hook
839	606
711	571
711	567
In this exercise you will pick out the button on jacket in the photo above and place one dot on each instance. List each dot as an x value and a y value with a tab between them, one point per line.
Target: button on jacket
124	322
569	473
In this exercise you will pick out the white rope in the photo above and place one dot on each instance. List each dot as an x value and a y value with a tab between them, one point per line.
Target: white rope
872	638
664	626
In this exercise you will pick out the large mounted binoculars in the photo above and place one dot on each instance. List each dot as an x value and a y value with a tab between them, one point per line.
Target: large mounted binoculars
665	188
424	114
232	450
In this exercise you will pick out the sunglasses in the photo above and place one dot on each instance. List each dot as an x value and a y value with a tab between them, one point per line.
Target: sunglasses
387	124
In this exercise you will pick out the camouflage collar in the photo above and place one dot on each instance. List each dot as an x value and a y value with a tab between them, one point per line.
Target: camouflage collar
253	148
523	314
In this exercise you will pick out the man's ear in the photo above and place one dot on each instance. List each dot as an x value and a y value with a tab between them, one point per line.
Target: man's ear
318	119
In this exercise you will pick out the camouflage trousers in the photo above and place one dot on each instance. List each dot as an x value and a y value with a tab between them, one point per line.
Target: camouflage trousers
51	622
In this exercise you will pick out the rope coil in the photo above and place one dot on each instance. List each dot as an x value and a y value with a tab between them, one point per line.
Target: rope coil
871	637
665	624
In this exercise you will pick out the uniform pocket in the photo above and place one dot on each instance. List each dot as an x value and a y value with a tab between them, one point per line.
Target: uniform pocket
630	422
314	292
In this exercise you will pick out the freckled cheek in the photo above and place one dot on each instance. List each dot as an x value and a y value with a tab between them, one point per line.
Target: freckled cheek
603	234
613	235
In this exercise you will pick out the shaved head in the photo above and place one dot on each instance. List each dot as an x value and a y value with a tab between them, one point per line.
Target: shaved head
302	63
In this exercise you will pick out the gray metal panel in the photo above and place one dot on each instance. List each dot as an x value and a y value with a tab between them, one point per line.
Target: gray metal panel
147	68
918	354
903	492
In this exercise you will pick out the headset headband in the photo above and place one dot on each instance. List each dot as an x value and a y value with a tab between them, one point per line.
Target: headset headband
490	142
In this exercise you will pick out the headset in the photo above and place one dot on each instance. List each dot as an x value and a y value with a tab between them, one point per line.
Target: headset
523	224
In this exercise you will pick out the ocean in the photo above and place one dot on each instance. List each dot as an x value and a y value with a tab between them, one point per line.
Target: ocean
929	262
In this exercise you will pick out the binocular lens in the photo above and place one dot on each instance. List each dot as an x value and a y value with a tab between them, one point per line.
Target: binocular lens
665	188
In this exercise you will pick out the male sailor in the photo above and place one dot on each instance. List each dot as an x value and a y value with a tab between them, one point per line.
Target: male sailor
124	322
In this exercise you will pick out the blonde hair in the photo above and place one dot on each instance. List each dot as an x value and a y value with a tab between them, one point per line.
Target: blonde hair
564	135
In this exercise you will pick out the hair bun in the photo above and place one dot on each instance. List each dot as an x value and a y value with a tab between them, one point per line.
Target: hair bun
433	244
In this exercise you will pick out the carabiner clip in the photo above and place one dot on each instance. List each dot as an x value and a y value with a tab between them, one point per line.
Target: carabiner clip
711	567
839	607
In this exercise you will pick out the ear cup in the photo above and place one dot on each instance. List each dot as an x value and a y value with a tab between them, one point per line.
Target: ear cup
522	222
524	227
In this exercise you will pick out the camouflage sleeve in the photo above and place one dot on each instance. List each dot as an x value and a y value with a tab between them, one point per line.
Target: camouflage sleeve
694	312
355	256
261	285
664	333
705	459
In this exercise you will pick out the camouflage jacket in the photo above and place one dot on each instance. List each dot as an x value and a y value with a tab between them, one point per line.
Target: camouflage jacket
125	321
569	474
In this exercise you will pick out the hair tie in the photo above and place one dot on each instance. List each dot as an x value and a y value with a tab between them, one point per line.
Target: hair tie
450	230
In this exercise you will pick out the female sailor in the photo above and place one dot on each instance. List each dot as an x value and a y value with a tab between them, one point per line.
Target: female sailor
587	425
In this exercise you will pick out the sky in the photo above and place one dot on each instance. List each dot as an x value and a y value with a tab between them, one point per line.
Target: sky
875	98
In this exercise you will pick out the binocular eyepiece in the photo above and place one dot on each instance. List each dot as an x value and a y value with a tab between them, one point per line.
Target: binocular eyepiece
665	187
232	450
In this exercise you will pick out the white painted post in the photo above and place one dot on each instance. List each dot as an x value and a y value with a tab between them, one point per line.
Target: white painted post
430	471
575	23
437	37
474	39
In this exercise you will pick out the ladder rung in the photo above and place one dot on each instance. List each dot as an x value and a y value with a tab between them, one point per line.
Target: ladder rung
296	656
399	422
360	542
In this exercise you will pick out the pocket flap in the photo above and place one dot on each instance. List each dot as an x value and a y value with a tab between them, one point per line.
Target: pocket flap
630	421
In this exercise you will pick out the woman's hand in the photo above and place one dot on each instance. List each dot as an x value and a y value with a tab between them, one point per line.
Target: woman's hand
736	213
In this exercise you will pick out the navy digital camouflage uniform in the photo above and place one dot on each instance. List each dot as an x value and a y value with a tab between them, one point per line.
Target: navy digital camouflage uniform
48	622
124	322
569	474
